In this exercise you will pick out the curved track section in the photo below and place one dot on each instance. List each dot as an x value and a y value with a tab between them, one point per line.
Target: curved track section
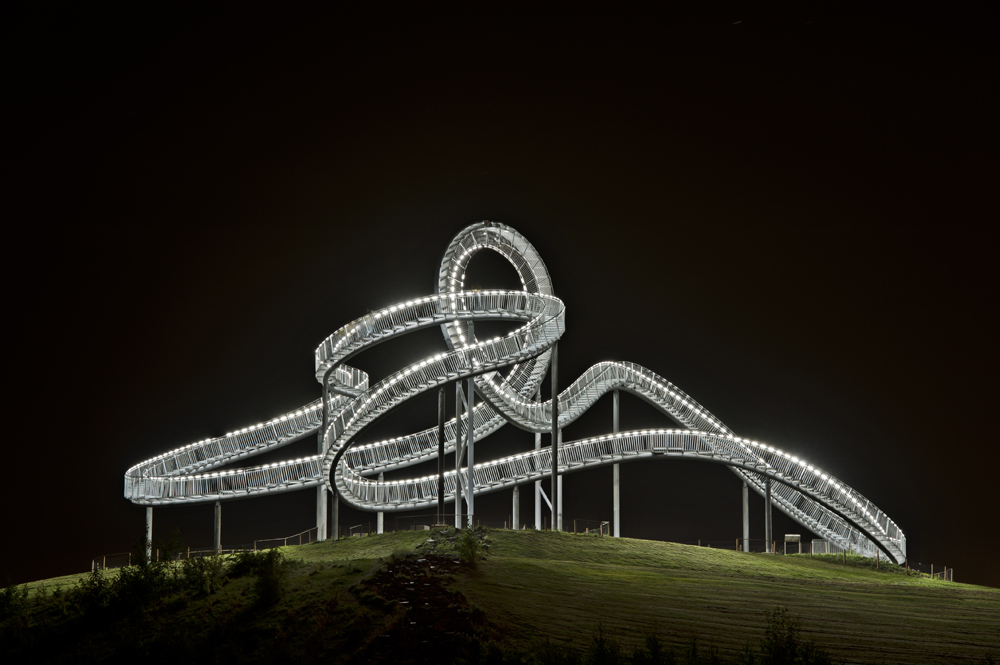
507	372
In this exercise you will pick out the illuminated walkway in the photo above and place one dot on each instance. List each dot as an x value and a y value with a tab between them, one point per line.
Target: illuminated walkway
192	474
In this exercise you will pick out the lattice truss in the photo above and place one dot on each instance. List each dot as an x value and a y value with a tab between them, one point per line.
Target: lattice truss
194	474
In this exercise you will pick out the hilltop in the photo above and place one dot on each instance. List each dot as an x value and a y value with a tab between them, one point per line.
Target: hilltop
397	596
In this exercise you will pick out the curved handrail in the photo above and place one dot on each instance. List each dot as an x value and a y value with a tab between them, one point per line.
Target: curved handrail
813	498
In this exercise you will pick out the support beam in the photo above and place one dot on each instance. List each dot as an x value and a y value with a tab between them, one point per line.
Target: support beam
616	497
746	518
336	515
555	432
321	498
768	538
538	483
321	513
149	533
441	410
559	501
470	451
459	453
218	527
380	520
515	512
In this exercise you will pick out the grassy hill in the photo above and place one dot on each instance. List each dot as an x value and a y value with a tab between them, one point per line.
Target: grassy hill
365	600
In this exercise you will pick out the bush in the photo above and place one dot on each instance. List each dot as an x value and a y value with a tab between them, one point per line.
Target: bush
468	546
202	575
268	568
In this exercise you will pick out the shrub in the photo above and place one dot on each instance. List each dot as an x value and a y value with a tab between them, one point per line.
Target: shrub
468	546
267	567
202	575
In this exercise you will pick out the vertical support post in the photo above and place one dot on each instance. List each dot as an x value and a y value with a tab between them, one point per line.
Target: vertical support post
538	483
321	499
767	515
459	451
470	451
556	511
218	527
380	520
515	518
559	503
746	517
149	533
336	515
321	512
441	409
616	497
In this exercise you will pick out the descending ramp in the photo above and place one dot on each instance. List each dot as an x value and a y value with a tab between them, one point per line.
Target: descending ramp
507	372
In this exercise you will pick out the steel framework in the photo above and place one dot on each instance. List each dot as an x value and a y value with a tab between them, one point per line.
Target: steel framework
193	474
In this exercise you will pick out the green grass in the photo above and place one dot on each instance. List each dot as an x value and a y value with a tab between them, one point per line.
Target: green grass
562	585
537	585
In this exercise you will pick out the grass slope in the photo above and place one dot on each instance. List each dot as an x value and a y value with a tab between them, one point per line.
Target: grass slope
562	585
536	585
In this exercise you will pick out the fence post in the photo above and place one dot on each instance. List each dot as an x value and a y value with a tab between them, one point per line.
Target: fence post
932	571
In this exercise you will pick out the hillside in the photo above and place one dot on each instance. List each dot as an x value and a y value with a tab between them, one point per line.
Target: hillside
365	600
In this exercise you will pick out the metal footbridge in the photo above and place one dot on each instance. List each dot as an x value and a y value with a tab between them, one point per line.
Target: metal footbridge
505	372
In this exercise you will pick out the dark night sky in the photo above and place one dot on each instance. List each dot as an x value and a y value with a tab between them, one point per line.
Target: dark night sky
790	217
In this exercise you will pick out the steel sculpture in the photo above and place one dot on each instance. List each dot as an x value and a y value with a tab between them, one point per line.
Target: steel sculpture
193	473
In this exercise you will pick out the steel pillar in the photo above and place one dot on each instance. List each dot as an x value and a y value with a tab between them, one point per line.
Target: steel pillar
538	483
321	513
470	451
556	510
515	513
768	538
380	520
336	514
459	453
746	517
321	498
149	533
218	527
559	501
616	497
441	409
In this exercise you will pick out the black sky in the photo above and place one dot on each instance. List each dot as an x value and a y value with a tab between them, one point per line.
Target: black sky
790	216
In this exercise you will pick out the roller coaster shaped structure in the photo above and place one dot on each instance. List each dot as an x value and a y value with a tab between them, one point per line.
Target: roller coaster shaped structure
815	499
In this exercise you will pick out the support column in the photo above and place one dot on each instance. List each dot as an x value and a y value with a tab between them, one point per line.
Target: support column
321	512
218	527
538	483
556	510
380	520
559	501
336	515
470	451
746	517
149	533
768	538
616	497
515	512
459	453
441	409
